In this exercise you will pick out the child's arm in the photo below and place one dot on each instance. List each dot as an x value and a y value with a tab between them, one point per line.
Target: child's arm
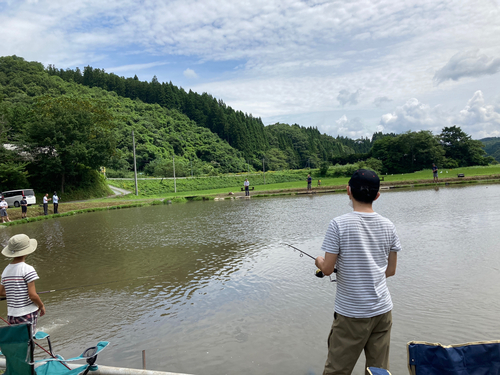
391	264
36	298
2	291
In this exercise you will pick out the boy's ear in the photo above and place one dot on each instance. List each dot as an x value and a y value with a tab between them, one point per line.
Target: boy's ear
378	195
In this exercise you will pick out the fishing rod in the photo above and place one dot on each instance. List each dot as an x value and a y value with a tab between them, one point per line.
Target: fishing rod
318	272
89	285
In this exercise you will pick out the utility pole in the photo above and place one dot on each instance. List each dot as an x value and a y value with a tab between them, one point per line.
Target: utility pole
264	170
135	166
175	183
191	167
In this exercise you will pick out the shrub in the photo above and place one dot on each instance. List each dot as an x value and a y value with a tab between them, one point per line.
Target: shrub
323	168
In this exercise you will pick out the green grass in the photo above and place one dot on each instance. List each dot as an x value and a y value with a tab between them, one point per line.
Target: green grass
452	173
297	181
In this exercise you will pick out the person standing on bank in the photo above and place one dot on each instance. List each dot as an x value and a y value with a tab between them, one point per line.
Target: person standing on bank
46	200
55	201
362	246
18	283
3	210
247	189
309	182
24	207
435	172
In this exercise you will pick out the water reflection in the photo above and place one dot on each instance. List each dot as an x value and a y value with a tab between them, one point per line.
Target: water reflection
206	287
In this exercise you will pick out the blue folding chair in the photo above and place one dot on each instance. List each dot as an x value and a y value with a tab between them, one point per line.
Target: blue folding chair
17	345
377	371
472	358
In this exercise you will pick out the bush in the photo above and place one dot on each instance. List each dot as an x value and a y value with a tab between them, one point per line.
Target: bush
374	164
323	168
111	173
179	200
343	170
449	163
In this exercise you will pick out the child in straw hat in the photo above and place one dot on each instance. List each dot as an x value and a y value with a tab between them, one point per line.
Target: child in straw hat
18	283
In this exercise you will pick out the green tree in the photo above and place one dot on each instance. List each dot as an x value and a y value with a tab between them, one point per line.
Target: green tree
408	152
323	168
461	147
67	133
13	172
276	160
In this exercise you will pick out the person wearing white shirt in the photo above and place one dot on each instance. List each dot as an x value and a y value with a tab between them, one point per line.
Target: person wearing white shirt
46	200
246	184
3	210
362	245
55	201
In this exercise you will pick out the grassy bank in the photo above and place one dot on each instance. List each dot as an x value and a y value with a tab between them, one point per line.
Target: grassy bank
151	194
156	188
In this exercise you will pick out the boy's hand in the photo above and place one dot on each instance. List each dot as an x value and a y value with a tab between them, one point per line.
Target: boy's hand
42	310
319	262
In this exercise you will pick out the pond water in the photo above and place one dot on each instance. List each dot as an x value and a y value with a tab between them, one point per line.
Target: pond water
207	288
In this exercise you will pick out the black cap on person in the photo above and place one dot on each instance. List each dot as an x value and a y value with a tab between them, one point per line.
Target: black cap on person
364	179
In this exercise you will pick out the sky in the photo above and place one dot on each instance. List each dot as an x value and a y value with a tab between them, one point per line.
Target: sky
349	68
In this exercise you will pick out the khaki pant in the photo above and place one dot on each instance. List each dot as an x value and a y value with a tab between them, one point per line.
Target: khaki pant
349	336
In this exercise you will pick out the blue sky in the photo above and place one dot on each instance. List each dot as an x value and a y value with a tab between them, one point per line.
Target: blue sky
346	67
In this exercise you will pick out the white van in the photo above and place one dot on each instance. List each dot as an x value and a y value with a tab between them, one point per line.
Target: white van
14	197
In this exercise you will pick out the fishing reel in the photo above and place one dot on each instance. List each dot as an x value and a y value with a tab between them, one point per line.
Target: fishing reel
320	274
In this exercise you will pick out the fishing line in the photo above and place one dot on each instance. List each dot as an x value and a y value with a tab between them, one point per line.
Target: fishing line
318	273
89	285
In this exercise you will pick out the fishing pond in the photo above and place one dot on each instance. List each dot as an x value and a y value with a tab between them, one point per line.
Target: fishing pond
208	288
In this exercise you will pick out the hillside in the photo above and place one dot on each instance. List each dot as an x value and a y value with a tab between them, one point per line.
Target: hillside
29	97
283	146
492	147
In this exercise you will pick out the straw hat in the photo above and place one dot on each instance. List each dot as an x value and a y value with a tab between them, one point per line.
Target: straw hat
19	245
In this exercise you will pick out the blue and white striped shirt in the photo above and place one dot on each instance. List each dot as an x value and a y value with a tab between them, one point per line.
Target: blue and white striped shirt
15	279
363	242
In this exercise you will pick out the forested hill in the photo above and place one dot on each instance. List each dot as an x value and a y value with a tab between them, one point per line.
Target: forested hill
62	123
64	130
492	147
282	145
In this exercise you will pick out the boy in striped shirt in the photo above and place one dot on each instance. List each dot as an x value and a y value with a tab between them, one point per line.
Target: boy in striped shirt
18	283
362	246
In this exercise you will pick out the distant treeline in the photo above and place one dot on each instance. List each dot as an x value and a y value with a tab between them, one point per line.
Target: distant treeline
283	146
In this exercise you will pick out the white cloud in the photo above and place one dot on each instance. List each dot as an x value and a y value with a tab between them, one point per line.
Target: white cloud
345	97
379	101
467	64
353	128
190	73
134	67
479	118
414	115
